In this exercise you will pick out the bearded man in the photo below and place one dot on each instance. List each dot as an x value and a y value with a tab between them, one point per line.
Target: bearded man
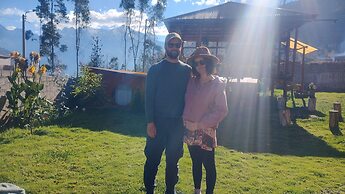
166	84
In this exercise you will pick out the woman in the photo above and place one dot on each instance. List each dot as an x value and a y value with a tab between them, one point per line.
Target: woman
205	107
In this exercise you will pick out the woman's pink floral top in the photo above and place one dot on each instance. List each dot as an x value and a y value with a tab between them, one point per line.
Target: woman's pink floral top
206	104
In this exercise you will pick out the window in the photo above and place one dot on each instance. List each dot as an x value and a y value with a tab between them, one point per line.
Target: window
123	95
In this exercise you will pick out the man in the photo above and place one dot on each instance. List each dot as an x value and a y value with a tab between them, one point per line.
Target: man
165	90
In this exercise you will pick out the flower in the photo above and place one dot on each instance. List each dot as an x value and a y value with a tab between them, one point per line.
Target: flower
43	69
22	63
22	60
32	69
18	70
14	54
34	56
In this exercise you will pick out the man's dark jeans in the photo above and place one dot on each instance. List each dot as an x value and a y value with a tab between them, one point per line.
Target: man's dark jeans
169	137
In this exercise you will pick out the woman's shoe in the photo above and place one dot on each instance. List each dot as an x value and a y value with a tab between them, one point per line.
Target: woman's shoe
197	191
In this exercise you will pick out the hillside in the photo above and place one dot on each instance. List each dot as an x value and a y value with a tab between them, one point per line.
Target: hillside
4	52
328	36
111	40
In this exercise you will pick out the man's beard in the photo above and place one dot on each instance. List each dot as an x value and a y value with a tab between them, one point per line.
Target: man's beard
173	54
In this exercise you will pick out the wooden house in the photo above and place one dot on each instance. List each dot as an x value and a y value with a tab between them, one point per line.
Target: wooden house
122	88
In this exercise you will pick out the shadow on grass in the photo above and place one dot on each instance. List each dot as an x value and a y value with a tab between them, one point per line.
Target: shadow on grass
304	113
118	121
318	113
251	126
254	127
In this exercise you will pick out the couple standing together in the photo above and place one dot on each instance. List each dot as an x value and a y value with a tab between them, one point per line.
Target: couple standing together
183	104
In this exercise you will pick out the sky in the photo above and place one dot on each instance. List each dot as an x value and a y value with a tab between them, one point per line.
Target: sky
105	14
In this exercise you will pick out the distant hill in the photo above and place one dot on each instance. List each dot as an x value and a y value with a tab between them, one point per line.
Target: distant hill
4	52
327	36
112	41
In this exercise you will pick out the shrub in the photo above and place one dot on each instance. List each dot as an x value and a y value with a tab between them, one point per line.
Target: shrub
87	88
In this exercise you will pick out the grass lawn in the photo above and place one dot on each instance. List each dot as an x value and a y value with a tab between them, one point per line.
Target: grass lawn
102	152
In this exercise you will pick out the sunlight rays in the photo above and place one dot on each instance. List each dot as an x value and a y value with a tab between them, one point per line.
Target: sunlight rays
250	54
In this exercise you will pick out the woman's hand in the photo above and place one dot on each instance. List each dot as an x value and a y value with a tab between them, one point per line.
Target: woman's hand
151	130
191	126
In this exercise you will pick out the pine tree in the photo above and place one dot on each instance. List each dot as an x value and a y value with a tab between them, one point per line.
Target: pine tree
96	55
114	63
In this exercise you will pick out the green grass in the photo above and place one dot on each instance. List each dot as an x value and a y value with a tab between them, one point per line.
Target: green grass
102	152
319	126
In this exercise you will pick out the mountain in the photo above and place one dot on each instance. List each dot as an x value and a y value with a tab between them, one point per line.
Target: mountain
327	35
4	52
112	42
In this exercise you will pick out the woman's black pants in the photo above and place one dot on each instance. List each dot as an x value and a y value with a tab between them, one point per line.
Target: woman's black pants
203	157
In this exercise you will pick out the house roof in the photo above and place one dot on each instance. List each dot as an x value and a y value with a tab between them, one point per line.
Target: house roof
119	71
216	23
300	45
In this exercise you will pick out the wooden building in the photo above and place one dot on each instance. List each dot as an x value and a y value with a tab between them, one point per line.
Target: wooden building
122	88
214	26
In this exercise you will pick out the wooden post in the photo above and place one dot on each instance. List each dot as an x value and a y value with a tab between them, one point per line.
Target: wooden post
312	104
281	103
302	70
337	106
285	117
333	120
294	53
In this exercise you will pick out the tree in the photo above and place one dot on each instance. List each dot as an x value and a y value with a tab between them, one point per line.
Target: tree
82	20
143	6
63	48
156	15
147	57
114	63
96	55
51	12
28	34
123	67
128	6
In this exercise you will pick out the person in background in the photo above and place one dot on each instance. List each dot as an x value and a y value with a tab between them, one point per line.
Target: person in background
166	85
206	106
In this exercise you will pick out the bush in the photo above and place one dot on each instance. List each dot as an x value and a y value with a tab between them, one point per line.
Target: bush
86	87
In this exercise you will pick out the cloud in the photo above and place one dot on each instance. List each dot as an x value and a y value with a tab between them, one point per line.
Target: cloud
177	1
153	2
161	30
105	19
10	27
32	17
207	2
13	11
